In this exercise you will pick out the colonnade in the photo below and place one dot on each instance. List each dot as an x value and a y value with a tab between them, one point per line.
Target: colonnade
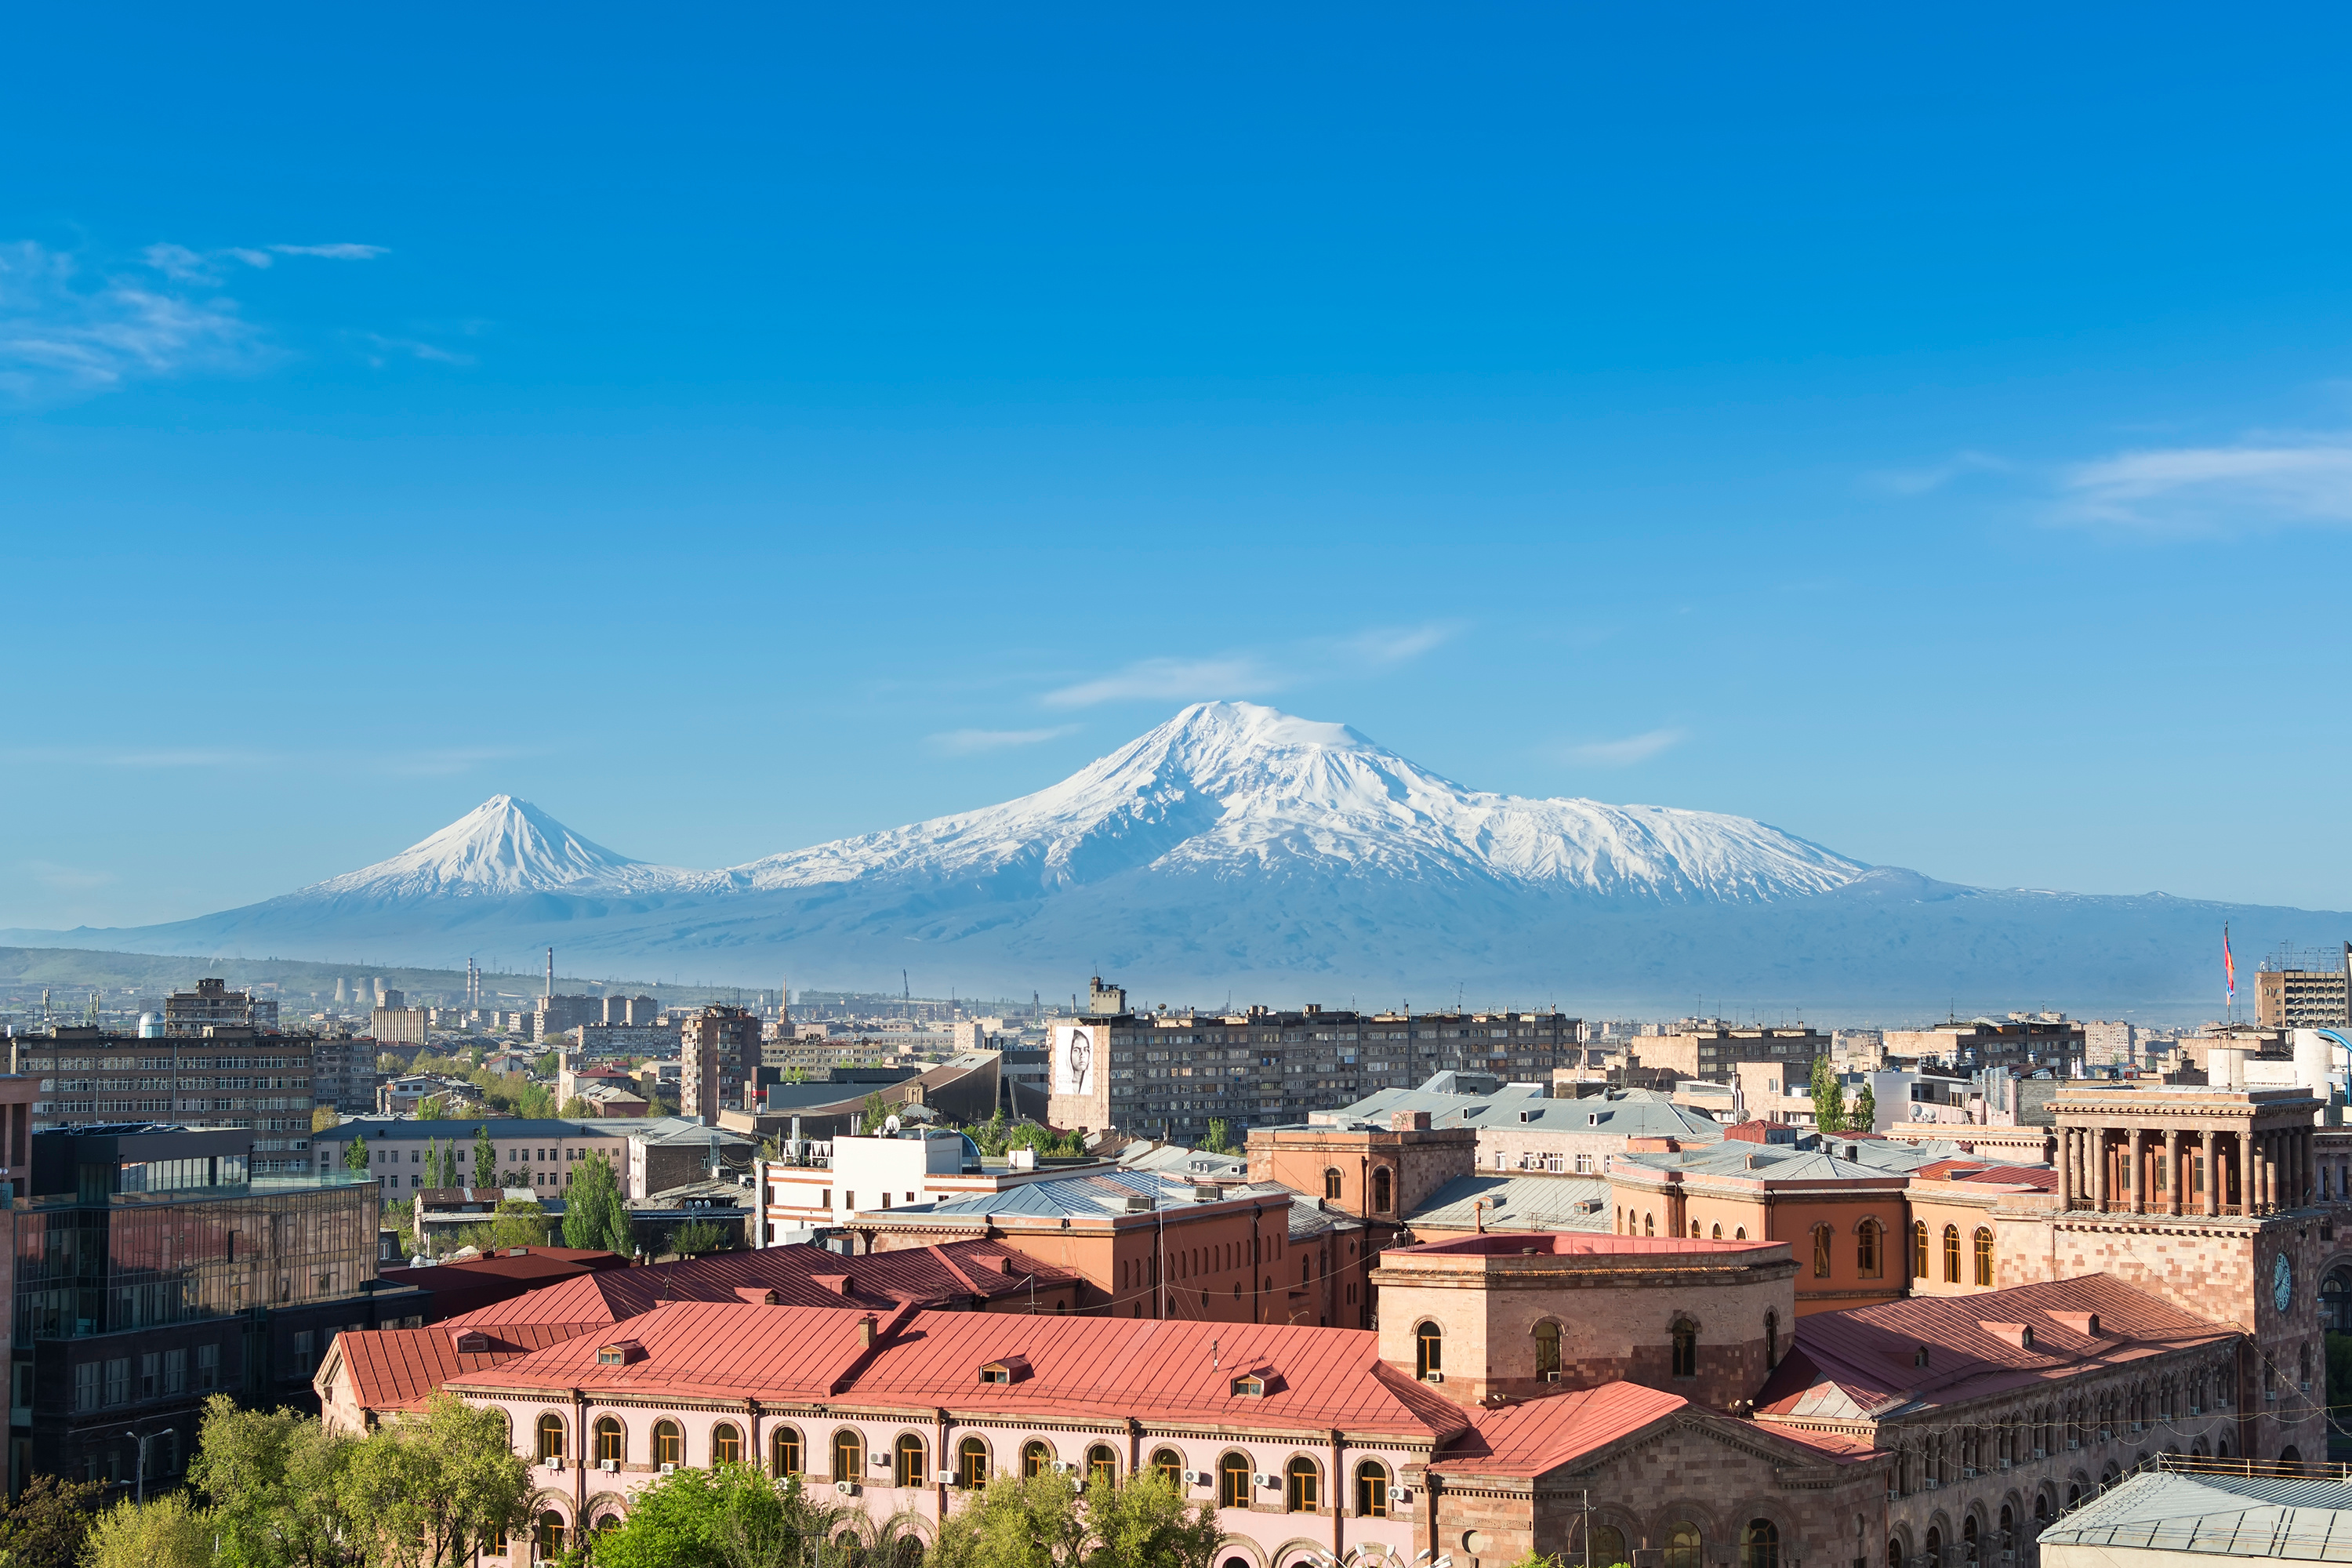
2124	1168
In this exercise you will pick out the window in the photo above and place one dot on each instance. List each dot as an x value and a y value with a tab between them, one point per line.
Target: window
548	1546
1168	1466
1868	1250
1649	1224
1101	1463
1771	1340
669	1444
1982	1243
1685	1340
1331	1182
784	1452
118	1381
551	1436
1372	1490
1234	1481
612	1442
1820	1252
726	1444
150	1374
86	1386
1547	1351
1302	1486
1609	1544
1919	1249
1695	1230
1716	1234
971	1464
1951	1255
848	1456
1759	1545
1683	1547
1037	1459
907	1461
1428	1353
175	1372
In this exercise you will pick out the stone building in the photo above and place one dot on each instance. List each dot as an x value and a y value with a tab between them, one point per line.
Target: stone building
719	1050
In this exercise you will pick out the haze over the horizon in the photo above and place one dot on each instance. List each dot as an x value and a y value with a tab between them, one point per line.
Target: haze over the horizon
1923	435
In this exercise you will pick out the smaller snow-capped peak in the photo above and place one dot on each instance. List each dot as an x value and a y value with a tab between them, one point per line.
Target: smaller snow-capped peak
502	846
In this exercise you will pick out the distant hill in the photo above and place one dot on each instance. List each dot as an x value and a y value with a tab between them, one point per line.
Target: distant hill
1237	850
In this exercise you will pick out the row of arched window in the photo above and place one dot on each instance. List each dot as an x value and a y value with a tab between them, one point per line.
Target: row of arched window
1979	1252
846	1460
1869	1247
1383	1187
1685	1547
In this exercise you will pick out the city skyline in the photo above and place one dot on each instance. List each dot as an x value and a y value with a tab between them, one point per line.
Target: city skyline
1901	434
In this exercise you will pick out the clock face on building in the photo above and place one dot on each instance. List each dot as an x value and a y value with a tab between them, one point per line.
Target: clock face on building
2281	1283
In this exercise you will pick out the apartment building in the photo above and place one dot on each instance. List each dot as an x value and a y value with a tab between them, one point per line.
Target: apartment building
1169	1075
719	1052
2302	998
1715	1050
212	1002
228	1076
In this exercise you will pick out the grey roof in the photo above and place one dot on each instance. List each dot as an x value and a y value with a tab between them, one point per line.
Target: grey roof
1089	1194
1770	1162
2228	1516
1625	1113
650	1128
1517	1203
1176	1160
1309	1217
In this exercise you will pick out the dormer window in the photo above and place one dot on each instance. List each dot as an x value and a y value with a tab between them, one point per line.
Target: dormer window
1005	1369
620	1353
1919	1356
1250	1385
473	1342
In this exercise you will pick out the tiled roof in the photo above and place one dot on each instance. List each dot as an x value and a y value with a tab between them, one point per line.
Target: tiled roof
392	1369
802	1276
1862	1363
1105	1369
1517	1203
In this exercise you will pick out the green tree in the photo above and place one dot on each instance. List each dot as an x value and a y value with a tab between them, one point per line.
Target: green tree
594	1212
873	1113
486	1159
1220	1139
324	1117
44	1526
729	1516
1015	1522
516	1222
1144	1521
355	1154
1829	1097
273	1479
165	1533
430	1490
696	1238
402	1218
1864	1117
576	1108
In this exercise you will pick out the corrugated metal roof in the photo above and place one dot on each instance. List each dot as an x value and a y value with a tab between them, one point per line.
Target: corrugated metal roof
1872	1353
1091	1193
2228	1516
392	1369
1623	1113
1517	1202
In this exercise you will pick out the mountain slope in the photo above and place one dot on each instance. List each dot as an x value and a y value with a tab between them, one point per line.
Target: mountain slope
1236	850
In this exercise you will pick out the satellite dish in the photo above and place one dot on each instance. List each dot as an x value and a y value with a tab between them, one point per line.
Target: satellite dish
890	1124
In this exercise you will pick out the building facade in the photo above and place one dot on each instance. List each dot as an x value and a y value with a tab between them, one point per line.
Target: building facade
229	1076
719	1052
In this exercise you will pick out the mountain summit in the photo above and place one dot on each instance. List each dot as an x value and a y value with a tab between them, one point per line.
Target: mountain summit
1238	851
1234	788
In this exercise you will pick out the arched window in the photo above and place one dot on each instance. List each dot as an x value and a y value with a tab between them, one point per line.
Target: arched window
1547	1351
1683	1547
726	1444
1382	1194
1331	1184
1037	1459
1695	1235
1969	1540
1983	1243
612	1443
1102	1464
1759	1545
1168	1466
551	1436
1933	1546
1771	1340
1609	1546
1428	1353
848	1456
1919	1249
1302	1486
971	1464
1234	1481
1740	1235
907	1461
784	1452
1894	1555
1649	1224
1869	1254
1951	1255
1372	1490
1714	1233
1685	1338
669	1444
551	1536
1820	1252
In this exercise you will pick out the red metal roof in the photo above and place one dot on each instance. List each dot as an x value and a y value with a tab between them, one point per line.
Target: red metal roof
1863	1362
1079	1367
1529	1439
392	1369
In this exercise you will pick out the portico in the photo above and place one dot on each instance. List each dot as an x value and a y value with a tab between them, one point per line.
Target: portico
2185	1150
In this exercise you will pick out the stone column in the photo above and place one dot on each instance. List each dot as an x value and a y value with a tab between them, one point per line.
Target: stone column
2065	1168
2172	1170
2210	1143
2246	1169
2138	1180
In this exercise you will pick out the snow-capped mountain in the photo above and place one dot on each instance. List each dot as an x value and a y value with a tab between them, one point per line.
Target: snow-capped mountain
1237	851
1232	788
502	847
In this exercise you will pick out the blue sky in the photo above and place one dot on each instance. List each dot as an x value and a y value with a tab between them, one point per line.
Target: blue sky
1926	434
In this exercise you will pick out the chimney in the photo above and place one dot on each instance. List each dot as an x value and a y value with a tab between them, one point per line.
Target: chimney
865	1331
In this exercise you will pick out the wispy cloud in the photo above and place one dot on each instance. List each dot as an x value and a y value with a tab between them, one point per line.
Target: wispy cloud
1935	477
2215	489
69	878
65	330
1384	650
1177	680
412	348
1625	752
963	743
429	762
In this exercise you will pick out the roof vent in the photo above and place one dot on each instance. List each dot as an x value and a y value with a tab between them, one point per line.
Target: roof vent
842	1283
1592	1118
753	1295
2083	1323
1137	1203
2018	1334
1529	1115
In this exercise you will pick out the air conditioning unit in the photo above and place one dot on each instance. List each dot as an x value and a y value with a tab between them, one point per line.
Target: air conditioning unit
1401	1494
2041	1453
2105	1434
2306	1385
608	1464
2006	1463
1554	1377
1433	1377
1262	1478
2138	1426
945	1478
846	1489
553	1462
668	1468
1894	1496
1064	1468
1196	1477
1930	1484
1967	1472
2073	1442
2196	1410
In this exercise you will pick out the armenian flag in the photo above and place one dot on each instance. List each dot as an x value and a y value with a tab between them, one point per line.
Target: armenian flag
2229	964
